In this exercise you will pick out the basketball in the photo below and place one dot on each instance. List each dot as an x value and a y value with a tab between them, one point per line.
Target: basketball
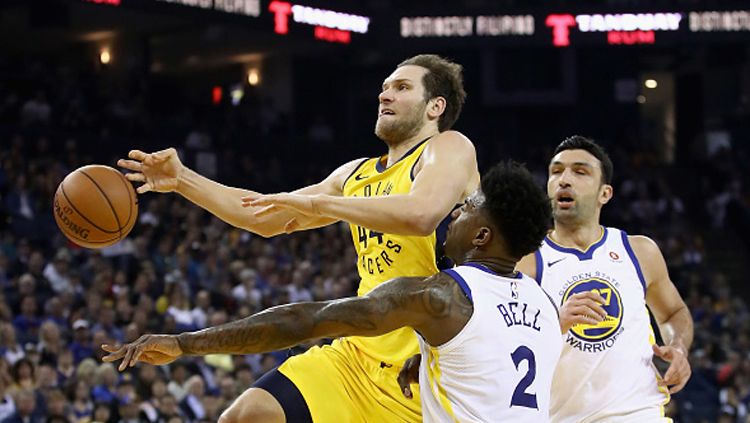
95	206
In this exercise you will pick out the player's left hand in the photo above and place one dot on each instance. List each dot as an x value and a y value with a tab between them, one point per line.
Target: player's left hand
271	203
678	372
153	349
409	374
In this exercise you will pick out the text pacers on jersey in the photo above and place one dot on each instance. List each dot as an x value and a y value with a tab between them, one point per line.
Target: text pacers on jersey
376	261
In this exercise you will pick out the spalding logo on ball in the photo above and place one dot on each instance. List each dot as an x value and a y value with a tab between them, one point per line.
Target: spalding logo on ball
95	206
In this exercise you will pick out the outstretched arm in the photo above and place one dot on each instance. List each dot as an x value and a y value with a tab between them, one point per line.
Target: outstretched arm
400	302
163	171
671	313
448	173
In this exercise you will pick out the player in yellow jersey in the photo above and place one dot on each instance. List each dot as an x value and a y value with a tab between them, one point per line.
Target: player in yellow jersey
488	335
394	204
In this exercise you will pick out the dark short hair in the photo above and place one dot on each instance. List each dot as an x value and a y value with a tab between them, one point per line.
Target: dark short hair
577	142
517	205
443	78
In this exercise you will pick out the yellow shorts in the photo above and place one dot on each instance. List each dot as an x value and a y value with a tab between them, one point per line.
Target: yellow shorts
342	385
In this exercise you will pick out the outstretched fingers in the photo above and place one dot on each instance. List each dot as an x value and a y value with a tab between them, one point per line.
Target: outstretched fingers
133	165
135	177
116	353
127	360
162	155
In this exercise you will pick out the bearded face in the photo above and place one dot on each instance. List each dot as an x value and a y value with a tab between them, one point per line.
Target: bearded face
575	186
394	128
402	109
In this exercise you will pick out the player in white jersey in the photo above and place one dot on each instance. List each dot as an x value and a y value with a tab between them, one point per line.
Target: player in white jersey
602	279
488	334
499	367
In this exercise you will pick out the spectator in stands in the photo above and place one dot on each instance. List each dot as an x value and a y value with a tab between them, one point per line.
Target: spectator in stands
105	387
27	409
246	291
10	347
81	345
36	110
7	403
82	406
192	404
27	322
56	271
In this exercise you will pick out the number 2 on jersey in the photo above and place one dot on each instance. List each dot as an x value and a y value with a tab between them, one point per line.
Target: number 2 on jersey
520	397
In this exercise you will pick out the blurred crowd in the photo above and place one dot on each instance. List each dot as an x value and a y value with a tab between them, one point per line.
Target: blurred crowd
183	269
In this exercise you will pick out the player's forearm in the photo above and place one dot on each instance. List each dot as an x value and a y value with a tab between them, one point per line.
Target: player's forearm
394	214
225	203
273	329
677	330
288	325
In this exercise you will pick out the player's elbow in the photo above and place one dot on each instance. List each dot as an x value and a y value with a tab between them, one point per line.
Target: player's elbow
422	222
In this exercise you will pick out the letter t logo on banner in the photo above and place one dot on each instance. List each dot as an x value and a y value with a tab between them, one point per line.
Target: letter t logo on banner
560	25
281	11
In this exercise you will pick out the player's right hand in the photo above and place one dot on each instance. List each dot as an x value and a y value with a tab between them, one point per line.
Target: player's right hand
159	171
409	374
152	349
582	308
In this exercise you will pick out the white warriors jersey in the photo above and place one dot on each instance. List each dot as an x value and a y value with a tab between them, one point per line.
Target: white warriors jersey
499	367
605	372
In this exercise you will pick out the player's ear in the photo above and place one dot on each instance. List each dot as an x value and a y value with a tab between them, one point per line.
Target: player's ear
436	107
482	237
605	193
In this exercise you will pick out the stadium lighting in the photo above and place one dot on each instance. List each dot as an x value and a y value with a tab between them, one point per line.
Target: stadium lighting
236	94
253	77
104	56
650	83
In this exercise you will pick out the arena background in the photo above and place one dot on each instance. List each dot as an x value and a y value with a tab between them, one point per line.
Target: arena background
257	96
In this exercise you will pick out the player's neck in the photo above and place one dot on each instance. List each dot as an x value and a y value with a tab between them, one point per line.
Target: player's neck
397	151
500	265
579	236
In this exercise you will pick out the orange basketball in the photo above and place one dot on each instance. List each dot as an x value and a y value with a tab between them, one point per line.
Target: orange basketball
95	206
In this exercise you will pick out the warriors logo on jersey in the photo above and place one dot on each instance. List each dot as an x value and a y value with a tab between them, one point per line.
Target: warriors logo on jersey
612	305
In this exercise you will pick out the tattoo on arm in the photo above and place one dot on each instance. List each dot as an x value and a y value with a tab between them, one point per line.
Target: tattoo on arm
273	329
443	296
397	303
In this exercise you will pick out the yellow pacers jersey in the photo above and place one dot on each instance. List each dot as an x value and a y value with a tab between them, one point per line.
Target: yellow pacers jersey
383	256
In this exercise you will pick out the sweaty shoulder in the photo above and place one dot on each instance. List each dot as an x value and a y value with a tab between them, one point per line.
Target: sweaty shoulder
453	141
649	256
643	246
451	153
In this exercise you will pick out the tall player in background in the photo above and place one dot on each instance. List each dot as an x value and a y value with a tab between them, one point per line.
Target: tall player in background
488	335
606	278
394	204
